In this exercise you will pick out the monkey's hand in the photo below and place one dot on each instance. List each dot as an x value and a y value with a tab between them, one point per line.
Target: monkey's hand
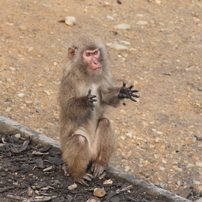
128	93
90	99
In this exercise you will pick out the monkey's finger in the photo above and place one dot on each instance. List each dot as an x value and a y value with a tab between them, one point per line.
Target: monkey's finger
94	100
134	91
124	84
83	182
135	96
98	170
131	87
88	177
89	91
133	99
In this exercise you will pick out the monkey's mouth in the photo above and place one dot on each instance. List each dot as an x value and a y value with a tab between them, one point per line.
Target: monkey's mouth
96	66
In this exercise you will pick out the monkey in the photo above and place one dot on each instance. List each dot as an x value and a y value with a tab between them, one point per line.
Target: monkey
86	92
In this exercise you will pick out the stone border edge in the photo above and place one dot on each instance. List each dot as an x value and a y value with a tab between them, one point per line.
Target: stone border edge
9	126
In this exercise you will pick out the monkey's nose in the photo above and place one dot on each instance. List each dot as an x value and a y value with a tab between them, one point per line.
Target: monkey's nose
95	61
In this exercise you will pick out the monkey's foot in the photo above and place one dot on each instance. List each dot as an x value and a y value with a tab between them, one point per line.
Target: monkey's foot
86	177
97	169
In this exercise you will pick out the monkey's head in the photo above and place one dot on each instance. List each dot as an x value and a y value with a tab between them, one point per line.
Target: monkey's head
88	55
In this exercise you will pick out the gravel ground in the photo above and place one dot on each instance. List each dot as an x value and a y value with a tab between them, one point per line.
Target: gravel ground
32	172
159	136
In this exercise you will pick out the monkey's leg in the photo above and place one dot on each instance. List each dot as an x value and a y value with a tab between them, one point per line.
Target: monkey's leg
76	155
106	145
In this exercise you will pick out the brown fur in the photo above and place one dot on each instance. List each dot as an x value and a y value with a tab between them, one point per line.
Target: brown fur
86	135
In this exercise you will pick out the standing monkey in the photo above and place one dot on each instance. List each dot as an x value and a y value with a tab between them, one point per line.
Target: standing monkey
86	91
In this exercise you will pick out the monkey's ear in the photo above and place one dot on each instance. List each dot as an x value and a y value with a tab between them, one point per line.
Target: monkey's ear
71	51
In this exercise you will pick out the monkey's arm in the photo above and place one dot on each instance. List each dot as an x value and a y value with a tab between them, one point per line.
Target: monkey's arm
110	96
78	106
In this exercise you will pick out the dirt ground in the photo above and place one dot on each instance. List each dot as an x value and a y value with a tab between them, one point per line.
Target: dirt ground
159	137
31	172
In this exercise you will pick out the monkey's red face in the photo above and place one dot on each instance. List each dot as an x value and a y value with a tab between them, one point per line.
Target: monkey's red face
92	57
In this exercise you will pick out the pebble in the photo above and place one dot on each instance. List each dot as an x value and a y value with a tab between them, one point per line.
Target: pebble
122	26
142	23
70	20
21	94
197	182
109	17
139	15
158	2
22	28
117	46
108	182
125	42
129	134
200	88
106	3
18	135
199	163
99	192
12	68
159	133
127	168
162	168
72	187
93	199
144	124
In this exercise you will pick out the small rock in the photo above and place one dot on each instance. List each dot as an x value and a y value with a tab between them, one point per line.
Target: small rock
129	134
159	133
122	26
139	15
22	28
12	68
21	94
199	163
70	20
200	88
144	124
125	42
93	199
117	46
109	17
72	187
142	23
162	168
127	168
99	192
158	2
197	182
18	135
108	182
106	3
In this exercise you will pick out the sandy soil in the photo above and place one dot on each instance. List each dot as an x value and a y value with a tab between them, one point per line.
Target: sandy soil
159	136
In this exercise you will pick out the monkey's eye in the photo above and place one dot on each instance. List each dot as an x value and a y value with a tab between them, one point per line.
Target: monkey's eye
95	53
88	54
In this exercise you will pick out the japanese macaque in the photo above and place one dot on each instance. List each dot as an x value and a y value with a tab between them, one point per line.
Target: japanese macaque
86	90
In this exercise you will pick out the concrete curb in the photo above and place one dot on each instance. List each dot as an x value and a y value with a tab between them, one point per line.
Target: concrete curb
9	126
